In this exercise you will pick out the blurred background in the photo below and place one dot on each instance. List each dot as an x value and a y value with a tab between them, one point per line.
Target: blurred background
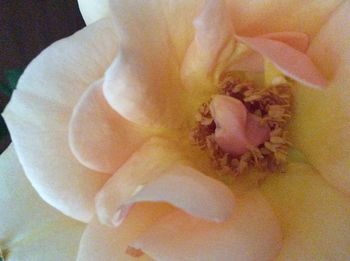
26	28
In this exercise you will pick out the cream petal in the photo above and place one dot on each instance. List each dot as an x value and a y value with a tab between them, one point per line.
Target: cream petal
214	36
288	60
39	112
30	229
93	10
100	242
321	123
314	216
252	233
257	17
155	174
99	137
143	84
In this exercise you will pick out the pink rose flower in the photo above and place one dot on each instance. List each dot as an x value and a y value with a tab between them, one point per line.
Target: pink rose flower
104	124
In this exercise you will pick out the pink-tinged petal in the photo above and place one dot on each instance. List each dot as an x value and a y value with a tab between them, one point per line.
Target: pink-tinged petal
99	137
296	40
288	60
100	242
236	129
252	233
30	229
252	62
155	174
191	191
93	10
214	34
257	17
314	216
39	112
321	123
143	84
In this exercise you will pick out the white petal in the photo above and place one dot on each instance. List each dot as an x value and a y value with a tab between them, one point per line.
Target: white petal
99	137
252	233
156	173
93	10
39	112
314	216
100	242
30	229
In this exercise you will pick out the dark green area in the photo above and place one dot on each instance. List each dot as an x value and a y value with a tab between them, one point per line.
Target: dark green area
6	89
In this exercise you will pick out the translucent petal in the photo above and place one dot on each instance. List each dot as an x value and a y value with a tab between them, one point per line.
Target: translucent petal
39	112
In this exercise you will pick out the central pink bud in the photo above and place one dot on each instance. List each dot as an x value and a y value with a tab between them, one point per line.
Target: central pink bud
236	128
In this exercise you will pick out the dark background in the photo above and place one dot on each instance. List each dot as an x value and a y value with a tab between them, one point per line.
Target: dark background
26	28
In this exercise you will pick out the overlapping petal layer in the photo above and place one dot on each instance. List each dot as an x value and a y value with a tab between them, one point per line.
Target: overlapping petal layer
30	229
100	242
99	137
321	124
157	173
39	112
252	233
314	216
143	83
257	17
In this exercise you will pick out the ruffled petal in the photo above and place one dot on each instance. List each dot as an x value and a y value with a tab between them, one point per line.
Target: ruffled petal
100	242
30	229
321	124
257	17
143	83
155	173
314	216
290	61
39	112
99	137
252	233
214	36
93	10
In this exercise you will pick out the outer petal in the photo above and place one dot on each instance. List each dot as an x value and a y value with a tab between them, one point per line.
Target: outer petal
30	229
252	233
143	83
99	137
321	124
39	112
93	10
314	216
100	242
256	17
155	174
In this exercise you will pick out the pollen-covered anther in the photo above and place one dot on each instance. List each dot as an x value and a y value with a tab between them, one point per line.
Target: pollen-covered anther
260	140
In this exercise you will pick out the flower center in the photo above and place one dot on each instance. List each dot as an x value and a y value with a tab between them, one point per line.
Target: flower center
254	126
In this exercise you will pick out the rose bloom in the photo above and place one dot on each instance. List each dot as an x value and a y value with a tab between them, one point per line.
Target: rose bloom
185	130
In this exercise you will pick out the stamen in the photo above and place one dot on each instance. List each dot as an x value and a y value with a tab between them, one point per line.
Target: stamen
272	105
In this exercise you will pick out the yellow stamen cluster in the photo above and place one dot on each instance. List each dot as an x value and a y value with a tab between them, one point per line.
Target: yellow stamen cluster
272	105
